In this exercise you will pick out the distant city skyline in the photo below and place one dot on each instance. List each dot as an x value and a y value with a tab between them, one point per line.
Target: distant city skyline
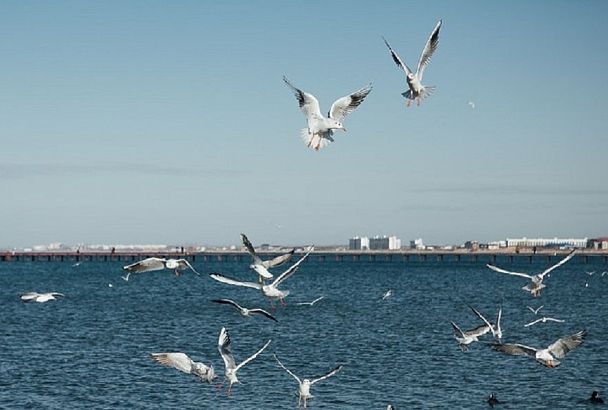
161	122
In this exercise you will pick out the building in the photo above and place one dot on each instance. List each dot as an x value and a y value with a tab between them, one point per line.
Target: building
549	243
599	243
358	243
417	244
385	242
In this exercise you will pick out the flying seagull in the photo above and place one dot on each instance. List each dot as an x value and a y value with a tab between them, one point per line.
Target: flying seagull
151	264
310	303
544	319
183	363
547	357
536	284
465	338
223	346
417	91
260	266
495	329
244	311
126	277
40	297
387	294
320	128
270	290
306	384
535	311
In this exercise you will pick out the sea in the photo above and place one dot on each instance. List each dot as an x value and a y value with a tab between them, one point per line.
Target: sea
90	349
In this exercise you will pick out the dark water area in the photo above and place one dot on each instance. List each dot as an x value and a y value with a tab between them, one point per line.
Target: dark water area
91	349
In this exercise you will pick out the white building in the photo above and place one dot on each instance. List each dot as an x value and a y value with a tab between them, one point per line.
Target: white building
417	244
358	242
385	242
555	242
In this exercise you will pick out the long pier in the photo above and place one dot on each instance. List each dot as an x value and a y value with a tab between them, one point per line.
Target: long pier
404	255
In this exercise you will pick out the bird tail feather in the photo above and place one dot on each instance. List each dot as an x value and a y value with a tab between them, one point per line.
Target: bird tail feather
316	141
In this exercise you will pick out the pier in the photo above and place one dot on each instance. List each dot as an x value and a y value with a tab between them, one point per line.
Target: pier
321	255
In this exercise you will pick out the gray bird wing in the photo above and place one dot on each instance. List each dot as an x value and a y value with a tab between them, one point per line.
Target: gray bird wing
318	379
279	260
264	313
429	49
179	361
562	346
229	281
253	356
308	103
508	272
397	60
185	264
515	349
223	345
286	369
149	264
345	105
292	269
558	264
248	245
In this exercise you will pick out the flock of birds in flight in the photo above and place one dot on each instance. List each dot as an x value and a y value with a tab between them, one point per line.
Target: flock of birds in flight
318	134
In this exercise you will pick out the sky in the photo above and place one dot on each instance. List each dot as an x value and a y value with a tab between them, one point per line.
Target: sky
168	122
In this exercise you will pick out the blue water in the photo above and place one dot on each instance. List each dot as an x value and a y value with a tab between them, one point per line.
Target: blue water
90	349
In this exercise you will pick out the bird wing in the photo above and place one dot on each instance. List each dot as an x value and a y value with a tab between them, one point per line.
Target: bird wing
515	349
308	103
223	345
29	296
318	379
179	361
56	294
562	346
247	244
345	105
263	312
498	317
316	300
558	264
286	369
253	356
279	260
479	315
229	281
497	269
533	322
457	329
429	49
185	263
397	60
292	269
228	302
554	320
478	331
146	265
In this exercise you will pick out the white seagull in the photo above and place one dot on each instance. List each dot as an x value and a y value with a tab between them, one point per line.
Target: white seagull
469	336
260	266
536	284
151	264
547	357
320	128
244	311
417	91
387	294
310	303
544	319
535	311
306	384
126	278
183	363
270	290
223	346
40	297
496	329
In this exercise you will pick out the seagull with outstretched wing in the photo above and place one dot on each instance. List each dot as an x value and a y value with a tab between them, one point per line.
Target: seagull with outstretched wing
260	266
495	328
40	297
152	264
306	384
320	129
465	338
417	91
244	311
544	319
183	363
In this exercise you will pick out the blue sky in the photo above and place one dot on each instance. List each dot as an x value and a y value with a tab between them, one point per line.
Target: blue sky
168	122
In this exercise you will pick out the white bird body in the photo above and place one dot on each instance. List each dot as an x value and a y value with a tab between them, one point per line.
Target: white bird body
544	319
230	365
320	128
417	91
549	356
40	297
270	290
260	266
536	281
465	338
184	363
304	385
152	264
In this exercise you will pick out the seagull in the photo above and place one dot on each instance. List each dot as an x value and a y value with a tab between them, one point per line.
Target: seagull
536	284
535	311
151	264
244	311
310	303
547	357
260	266
417	91
183	363
320	128
270	290
603	273
40	297
544	319
223	346
306	384
126	278
471	104
387	294
467	337
590	273
496	331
